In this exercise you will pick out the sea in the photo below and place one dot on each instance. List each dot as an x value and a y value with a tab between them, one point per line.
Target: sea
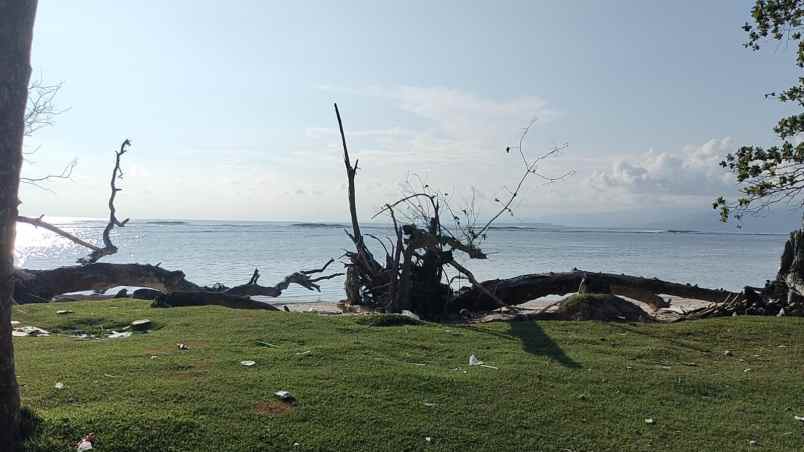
227	252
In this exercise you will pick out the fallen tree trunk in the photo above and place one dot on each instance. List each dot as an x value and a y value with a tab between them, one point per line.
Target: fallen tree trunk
206	298
36	286
521	289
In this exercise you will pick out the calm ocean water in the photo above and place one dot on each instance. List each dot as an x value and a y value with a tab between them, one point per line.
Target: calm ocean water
228	252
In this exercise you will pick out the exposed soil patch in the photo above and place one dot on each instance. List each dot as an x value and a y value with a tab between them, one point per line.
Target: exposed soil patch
273	408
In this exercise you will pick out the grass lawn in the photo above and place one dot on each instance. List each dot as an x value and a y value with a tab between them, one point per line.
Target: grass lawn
559	386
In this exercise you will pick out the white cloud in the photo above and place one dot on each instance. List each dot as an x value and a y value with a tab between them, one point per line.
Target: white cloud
691	172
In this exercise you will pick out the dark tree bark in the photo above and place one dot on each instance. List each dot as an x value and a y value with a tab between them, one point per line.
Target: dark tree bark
34	286
521	289
16	34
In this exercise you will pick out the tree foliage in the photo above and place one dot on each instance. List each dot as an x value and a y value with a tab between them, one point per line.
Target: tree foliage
769	175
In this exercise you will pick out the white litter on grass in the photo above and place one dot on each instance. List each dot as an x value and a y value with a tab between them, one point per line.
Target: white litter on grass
29	331
304	353
247	363
63	312
83	445
650	421
59	385
428	439
120	334
473	361
799	418
285	396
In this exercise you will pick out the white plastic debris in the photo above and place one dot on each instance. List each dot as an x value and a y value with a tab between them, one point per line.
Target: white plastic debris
63	312
29	331
247	363
285	396
727	353
119	334
650	421
781	313
182	346
85	443
799	418
428	439
752	443
59	385
473	361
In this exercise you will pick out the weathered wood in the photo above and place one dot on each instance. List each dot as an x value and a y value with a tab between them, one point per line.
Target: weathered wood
16	35
204	298
521	289
32	286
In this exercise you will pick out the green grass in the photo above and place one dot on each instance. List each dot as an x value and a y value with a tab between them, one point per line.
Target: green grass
579	386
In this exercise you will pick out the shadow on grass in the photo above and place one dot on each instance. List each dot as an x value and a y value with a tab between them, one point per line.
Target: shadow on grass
534	341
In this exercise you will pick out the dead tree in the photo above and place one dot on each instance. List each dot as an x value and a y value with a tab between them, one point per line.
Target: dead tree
108	248
414	273
16	35
32	286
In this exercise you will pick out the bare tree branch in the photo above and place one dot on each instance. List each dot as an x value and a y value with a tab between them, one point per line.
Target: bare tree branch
108	247
41	108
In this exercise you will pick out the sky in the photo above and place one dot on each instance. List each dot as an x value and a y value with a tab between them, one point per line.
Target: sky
229	105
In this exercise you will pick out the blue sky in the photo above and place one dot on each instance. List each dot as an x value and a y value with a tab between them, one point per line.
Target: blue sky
229	105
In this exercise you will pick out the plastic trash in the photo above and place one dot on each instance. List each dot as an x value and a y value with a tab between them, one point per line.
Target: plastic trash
428	439
86	442
59	385
473	361
781	313
119	334
31	331
799	418
247	363
63	312
181	346
285	396
650	421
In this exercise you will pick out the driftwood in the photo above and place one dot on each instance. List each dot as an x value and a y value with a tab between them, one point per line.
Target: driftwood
32	286
204	298
521	289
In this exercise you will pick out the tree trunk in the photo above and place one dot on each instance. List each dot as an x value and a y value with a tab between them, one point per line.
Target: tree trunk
16	33
521	289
